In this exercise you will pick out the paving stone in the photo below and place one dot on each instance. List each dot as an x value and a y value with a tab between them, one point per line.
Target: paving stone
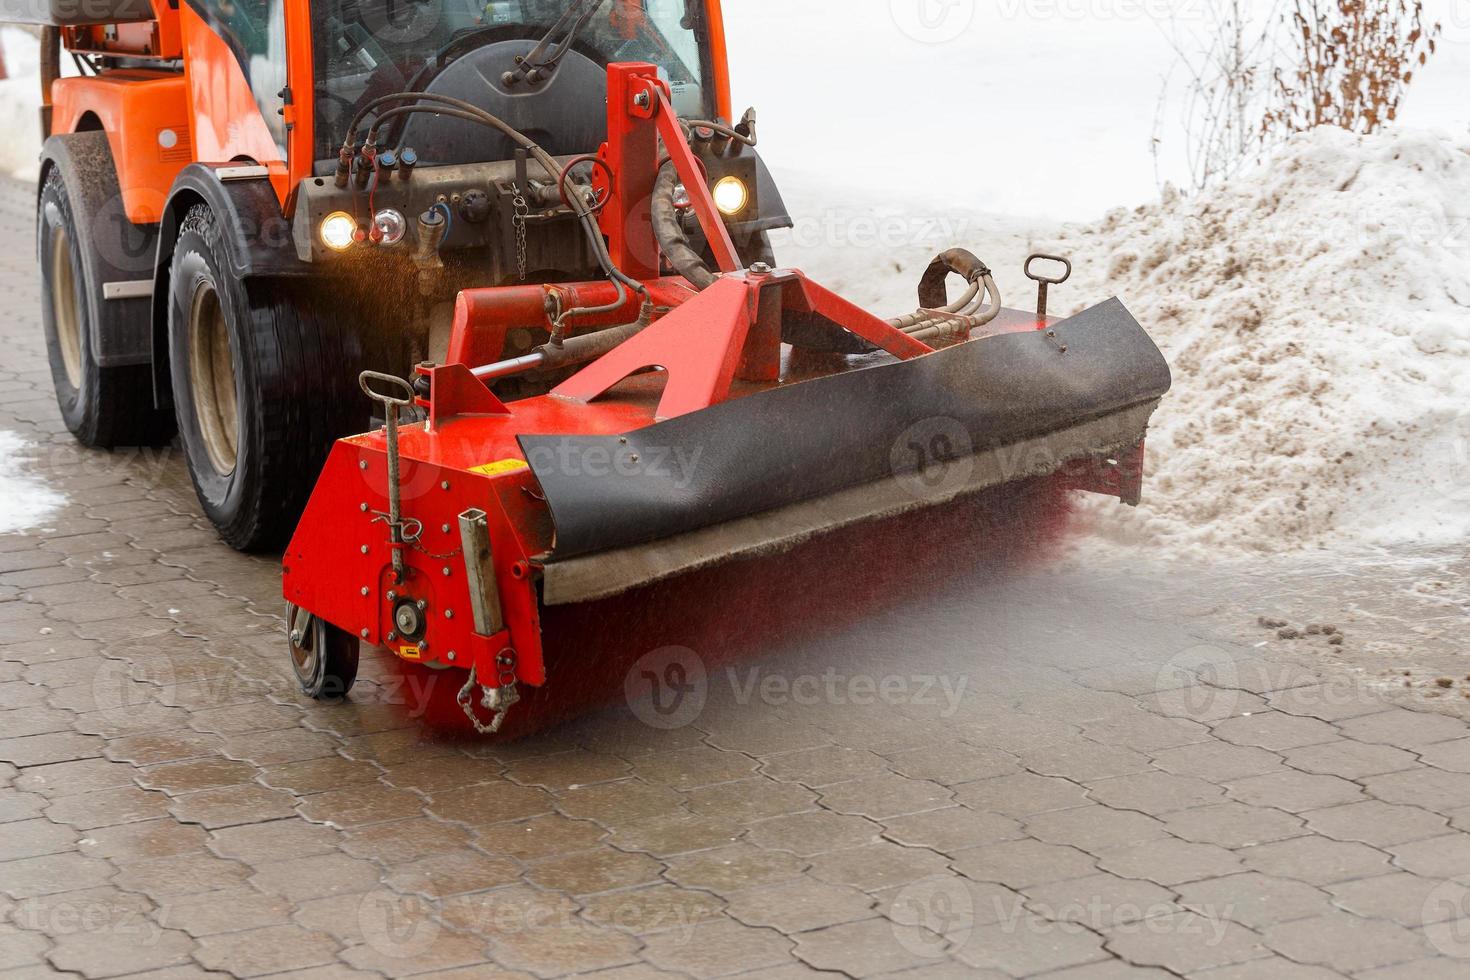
1345	942
729	869
273	949
951	829
1275	731
690	768
1217	762
1185	942
878	865
1170	862
315	876
551	835
751	799
812	832
1233	824
398	842
885	795
20	806
33	838
1294	791
227	910
1094	828
1408	899
1020	863
231	806
858	948
177	778
654	908
363	804
1404	729
467	954
717	947
1154	792
275	840
613	804
950	763
1028	946
1316	860
1444	857
1336	700
823	765
121	951
1349	759
185	874
1100	901
1432	789
1269	967
676	832
599	870
52	873
1254	899
1083	759
1375	823
1021	795
108	807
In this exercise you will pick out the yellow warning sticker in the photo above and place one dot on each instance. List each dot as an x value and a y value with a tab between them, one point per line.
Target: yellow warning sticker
411	653
499	467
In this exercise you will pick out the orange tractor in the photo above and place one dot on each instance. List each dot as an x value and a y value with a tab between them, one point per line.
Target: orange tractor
535	236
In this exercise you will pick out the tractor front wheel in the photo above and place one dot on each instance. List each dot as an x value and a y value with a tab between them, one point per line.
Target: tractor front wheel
264	381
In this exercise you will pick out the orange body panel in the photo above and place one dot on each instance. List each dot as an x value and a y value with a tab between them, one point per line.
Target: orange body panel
719	60
228	125
146	116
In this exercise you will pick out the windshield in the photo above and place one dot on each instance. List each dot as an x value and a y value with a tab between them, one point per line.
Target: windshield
369	48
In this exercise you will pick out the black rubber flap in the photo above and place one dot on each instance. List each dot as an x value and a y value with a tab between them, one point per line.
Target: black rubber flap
796	443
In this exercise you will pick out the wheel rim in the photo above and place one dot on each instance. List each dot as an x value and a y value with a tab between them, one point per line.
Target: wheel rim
305	648
64	306
212	378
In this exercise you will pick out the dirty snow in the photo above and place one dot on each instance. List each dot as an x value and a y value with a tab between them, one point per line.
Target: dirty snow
1317	317
25	501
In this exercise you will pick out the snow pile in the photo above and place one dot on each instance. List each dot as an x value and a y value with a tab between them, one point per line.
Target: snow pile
25	502
19	98
1316	314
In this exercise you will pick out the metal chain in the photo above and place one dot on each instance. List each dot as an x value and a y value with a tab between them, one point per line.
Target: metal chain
498	700
519	220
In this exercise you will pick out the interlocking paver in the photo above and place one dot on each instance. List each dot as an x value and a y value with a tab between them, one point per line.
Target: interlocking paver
1020	863
1316	859
799	906
1345	942
1254	899
1233	824
1185	942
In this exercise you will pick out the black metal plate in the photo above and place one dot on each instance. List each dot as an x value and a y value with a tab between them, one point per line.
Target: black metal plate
807	440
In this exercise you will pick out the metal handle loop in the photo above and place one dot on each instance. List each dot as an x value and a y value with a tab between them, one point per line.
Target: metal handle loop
1050	281
364	381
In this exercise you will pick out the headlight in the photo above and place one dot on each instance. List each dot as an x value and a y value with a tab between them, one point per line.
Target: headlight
338	230
388	227
731	195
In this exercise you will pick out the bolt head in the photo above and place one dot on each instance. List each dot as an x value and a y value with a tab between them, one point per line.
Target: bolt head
449	614
363	634
296	638
450	656
391	637
444	528
422	605
366	591
447	572
444	485
392	595
362	464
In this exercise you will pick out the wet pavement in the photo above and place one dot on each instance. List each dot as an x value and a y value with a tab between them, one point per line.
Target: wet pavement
1079	768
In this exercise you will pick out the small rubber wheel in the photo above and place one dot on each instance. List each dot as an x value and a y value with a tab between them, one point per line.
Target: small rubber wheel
323	657
103	407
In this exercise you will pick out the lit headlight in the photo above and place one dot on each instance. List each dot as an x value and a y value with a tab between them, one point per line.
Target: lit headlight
389	226
338	230
731	195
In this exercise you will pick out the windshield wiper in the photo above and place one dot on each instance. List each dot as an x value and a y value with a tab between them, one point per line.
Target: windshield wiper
542	61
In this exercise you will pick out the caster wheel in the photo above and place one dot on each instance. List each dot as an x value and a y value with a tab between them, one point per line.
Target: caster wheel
323	657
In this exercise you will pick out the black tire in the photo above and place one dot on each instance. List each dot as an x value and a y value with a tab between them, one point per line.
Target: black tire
323	657
102	407
264	376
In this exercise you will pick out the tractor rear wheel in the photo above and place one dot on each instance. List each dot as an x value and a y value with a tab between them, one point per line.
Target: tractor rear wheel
264	381
102	406
323	657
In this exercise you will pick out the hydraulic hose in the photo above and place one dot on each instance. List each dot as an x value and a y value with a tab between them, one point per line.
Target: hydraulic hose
670	233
